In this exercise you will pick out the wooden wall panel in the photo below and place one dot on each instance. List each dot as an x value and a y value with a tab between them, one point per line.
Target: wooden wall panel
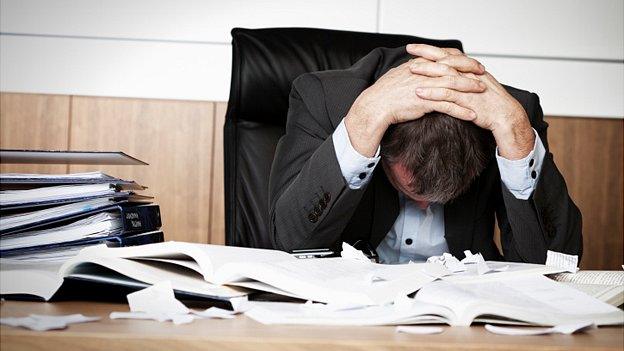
174	137
589	154
217	205
29	121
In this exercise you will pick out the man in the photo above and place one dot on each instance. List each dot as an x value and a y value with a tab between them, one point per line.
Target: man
431	117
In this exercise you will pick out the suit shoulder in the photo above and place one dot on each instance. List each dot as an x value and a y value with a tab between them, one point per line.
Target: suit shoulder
526	98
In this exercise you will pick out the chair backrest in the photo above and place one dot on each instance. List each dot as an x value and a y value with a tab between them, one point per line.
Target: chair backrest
264	64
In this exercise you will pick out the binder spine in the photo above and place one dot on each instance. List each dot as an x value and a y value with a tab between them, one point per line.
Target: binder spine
141	218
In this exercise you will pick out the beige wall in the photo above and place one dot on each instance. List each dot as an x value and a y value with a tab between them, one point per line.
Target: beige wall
183	143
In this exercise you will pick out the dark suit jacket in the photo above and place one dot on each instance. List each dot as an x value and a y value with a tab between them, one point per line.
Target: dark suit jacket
312	206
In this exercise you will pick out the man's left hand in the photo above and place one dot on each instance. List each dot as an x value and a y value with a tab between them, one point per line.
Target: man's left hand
495	108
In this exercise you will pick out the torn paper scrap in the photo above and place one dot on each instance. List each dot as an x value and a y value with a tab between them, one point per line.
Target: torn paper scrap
40	322
240	304
448	261
158	298
349	251
471	258
158	303
563	261
215	312
418	330
482	266
559	329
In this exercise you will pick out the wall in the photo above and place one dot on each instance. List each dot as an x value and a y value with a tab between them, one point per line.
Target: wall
113	75
570	52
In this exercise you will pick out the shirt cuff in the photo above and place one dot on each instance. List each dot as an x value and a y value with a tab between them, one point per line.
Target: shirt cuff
356	169
520	176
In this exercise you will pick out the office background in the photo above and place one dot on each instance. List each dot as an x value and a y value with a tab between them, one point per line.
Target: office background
151	78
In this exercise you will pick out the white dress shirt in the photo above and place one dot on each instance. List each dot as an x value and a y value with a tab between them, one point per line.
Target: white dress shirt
418	234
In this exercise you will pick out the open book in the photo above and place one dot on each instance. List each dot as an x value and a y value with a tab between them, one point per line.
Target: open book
606	286
221	271
524	299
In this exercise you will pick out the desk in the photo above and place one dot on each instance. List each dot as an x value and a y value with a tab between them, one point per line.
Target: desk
243	333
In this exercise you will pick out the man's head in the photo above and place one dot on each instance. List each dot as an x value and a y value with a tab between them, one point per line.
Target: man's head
434	158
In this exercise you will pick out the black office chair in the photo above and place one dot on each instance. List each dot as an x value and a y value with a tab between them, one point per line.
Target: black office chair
264	64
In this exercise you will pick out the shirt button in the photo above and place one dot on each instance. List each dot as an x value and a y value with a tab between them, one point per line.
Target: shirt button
408	241
531	162
533	174
371	165
362	175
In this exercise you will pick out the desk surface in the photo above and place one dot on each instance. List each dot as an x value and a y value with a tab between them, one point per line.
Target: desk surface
243	333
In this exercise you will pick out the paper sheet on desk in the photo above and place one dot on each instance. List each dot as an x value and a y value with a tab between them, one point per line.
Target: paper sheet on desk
40	322
158	303
561	260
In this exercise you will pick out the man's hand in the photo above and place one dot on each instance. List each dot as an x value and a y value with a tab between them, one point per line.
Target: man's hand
495	108
392	99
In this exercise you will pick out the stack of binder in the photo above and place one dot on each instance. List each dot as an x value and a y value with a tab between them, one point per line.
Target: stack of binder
48	218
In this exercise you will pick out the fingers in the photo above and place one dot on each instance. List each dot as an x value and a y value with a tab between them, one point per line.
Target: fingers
453	51
463	64
429	52
458	83
441	94
432	69
453	110
448	56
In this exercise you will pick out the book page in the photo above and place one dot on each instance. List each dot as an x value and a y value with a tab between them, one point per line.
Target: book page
209	258
534	299
319	314
333	280
150	272
591	277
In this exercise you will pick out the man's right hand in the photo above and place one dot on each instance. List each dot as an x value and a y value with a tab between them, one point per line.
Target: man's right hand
392	99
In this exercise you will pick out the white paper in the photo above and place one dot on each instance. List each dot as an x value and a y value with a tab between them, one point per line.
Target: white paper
418	330
349	251
563	261
482	266
158	298
158	303
559	329
449	262
44	322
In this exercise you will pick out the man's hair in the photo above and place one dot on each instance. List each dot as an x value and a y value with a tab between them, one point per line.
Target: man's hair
443	154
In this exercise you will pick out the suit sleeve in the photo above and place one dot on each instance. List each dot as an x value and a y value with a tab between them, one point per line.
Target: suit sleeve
548	219
309	200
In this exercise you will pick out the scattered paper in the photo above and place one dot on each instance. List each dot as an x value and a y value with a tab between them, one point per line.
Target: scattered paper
43	322
482	266
449	262
158	303
559	329
563	261
158	298
470	258
418	330
215	312
349	251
